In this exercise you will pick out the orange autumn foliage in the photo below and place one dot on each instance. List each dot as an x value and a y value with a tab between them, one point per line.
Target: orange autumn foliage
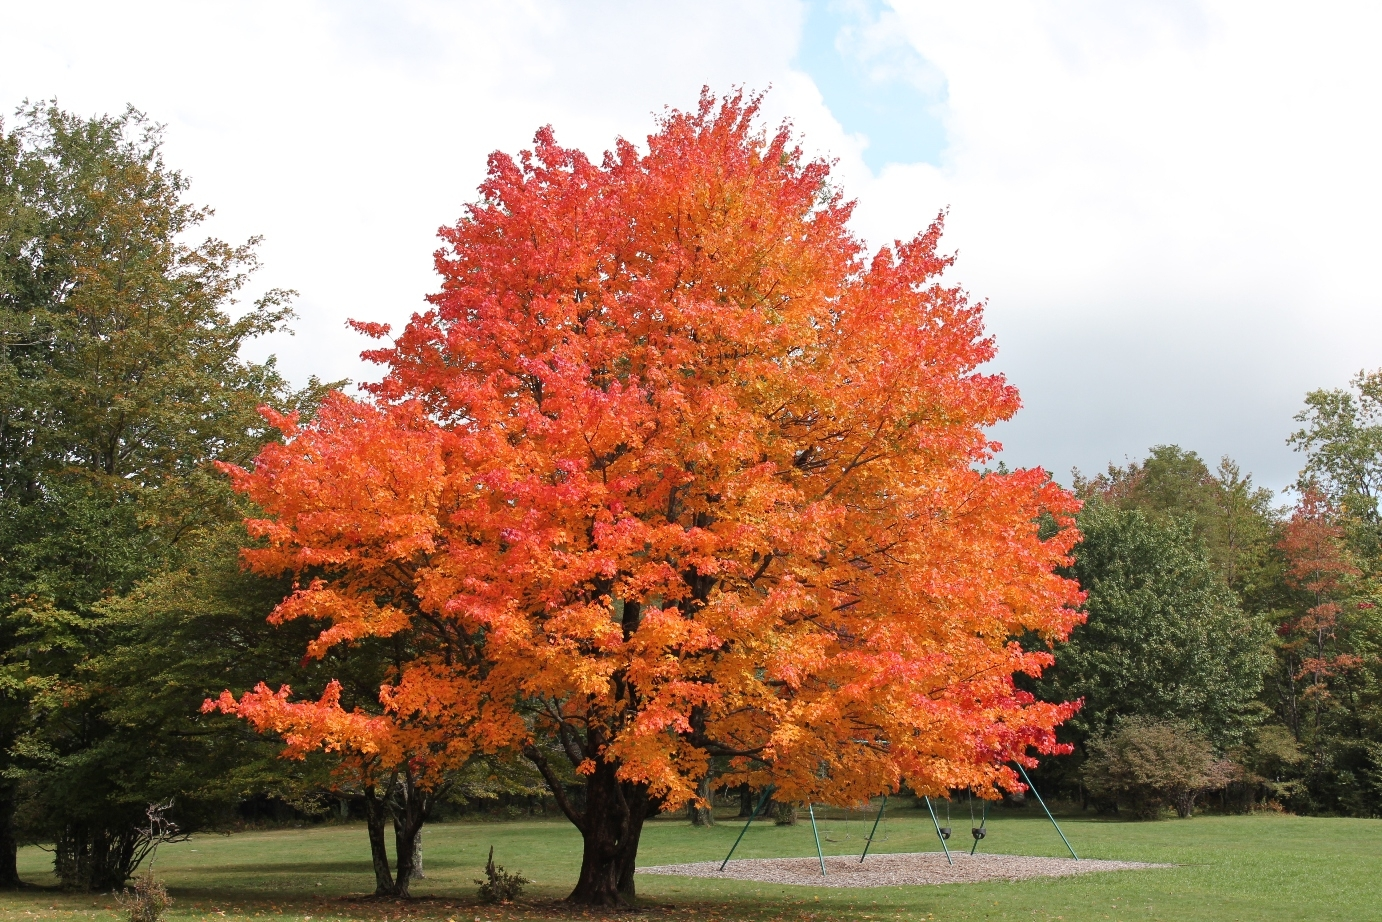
674	468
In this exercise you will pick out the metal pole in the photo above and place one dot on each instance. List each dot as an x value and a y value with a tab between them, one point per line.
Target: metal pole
767	792
1033	789
982	823
938	829
869	842
812	810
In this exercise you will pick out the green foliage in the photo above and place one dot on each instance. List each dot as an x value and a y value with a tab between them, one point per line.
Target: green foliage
1270	762
1342	441
1151	764
1232	518
1165	636
120	386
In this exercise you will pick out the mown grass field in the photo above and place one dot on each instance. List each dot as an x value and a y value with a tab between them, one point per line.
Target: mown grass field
1265	867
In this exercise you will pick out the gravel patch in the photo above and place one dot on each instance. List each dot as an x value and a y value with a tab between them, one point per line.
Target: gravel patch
918	868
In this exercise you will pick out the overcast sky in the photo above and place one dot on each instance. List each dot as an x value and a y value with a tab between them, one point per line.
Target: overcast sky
1170	207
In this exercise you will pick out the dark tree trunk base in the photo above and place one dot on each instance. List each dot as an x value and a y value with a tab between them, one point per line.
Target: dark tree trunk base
610	828
376	817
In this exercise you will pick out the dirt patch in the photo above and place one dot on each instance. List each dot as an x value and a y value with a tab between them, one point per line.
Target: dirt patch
919	868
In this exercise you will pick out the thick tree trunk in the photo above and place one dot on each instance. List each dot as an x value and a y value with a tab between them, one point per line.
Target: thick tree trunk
410	807
641	806
9	847
612	825
403	876
746	801
700	812
376	818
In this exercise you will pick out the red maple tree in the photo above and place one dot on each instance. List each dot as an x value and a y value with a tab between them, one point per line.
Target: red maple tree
1318	566
674	469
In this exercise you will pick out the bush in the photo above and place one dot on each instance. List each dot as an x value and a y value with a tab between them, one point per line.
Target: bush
148	901
1151	764
500	886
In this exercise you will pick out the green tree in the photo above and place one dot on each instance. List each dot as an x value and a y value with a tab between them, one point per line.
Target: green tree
121	383
1342	441
1165	636
1233	518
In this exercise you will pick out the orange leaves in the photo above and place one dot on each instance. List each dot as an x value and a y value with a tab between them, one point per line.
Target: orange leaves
306	726
674	468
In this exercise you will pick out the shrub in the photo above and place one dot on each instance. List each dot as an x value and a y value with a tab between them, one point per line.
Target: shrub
499	885
1150	764
149	899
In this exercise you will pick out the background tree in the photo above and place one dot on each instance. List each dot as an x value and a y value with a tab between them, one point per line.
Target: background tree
1164	637
120	384
1149	764
402	762
1342	442
674	469
1233	519
1325	678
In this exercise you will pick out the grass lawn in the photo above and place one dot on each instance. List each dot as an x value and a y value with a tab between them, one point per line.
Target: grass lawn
1264	867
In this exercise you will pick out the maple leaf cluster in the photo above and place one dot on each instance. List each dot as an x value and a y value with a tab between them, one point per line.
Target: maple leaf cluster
674	468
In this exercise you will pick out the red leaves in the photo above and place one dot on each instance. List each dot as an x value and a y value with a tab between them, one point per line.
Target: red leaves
675	466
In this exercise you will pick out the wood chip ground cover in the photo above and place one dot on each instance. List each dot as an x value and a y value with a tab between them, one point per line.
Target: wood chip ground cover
917	868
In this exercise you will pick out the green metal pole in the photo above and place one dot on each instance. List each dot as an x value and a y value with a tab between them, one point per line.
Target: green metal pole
767	792
819	854
869	842
1033	789
938	830
982	823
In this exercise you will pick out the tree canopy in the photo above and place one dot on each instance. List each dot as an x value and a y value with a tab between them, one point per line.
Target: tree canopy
120	384
674	469
1165	636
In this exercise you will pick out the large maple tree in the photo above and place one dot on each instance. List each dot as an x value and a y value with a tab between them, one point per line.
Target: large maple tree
673	468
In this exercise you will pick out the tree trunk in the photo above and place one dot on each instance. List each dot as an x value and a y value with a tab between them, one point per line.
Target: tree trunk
94	856
746	801
403	877
410	807
610	829
417	857
699	811
784	814
640	808
9	847
376	817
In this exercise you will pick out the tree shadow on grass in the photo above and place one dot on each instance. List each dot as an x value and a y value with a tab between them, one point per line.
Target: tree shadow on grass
281	869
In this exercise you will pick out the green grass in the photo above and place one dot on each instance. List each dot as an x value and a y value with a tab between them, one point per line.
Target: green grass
1265	867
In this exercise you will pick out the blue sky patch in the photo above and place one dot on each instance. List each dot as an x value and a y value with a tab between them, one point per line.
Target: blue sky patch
873	81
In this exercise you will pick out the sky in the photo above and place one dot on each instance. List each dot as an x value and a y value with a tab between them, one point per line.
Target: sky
1170	208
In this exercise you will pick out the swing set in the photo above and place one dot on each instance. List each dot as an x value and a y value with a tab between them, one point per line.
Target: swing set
943	833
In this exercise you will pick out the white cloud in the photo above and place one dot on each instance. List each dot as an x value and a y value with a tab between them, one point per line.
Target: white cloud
347	134
1170	206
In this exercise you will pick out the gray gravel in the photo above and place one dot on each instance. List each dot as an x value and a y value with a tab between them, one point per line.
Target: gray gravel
913	869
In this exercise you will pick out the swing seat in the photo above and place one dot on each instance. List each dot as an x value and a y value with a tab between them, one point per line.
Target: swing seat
977	833
945	832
